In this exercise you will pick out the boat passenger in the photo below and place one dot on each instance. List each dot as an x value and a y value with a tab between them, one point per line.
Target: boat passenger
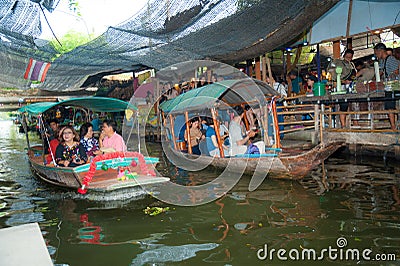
237	140
95	122
52	130
211	140
53	142
90	143
70	152
195	135
110	140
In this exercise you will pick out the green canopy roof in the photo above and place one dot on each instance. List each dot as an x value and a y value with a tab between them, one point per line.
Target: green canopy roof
231	92
96	104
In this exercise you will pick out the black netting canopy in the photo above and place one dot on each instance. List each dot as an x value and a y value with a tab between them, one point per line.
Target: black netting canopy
164	32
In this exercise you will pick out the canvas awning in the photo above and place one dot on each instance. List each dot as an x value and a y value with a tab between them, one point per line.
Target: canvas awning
231	92
96	104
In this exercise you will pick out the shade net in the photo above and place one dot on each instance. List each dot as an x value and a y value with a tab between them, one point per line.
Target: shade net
161	34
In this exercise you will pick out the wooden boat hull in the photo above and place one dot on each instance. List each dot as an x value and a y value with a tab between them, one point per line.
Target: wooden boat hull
284	165
104	182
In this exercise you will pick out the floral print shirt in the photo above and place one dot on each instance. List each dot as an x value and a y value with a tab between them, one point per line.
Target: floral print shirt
91	145
64	152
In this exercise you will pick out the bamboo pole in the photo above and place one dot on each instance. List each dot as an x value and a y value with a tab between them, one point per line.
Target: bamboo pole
276	126
217	132
188	133
173	131
264	110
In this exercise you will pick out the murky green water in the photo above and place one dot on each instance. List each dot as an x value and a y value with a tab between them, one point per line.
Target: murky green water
362	206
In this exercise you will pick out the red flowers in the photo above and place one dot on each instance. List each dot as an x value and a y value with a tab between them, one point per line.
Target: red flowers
144	170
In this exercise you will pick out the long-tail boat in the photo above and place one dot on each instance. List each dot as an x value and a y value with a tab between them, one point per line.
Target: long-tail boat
114	176
211	100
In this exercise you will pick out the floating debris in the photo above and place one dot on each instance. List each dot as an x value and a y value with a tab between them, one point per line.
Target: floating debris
153	211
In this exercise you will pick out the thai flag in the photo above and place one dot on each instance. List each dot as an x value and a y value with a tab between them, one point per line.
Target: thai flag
36	70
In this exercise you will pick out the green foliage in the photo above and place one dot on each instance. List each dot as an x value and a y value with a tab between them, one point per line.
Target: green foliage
70	41
73	5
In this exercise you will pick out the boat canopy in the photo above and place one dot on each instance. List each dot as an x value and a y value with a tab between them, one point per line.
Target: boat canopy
231	92
96	104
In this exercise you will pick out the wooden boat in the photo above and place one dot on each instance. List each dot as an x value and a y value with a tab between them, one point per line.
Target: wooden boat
277	161
113	176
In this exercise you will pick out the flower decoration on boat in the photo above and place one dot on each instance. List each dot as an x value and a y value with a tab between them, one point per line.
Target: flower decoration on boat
144	170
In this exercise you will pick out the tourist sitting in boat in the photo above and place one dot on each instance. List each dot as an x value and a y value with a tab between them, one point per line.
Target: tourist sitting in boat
53	141
52	130
90	143
110	140
211	140
70	152
195	135
239	140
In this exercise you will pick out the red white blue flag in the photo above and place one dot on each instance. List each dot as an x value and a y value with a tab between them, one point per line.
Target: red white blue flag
36	70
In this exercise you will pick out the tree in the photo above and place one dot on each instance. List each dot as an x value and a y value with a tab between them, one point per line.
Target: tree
70	41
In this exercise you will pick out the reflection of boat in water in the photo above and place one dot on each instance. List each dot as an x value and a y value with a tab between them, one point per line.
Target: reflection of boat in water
219	97
111	176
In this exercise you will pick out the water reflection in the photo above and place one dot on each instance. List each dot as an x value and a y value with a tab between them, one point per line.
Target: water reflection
359	201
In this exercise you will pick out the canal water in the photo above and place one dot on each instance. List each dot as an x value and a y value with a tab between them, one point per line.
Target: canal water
354	213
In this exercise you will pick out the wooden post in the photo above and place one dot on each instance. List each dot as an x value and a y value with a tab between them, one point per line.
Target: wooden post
316	124
349	13
258	70
188	133
336	49
321	124
171	121
271	79
217	132
264	110
264	68
250	74
288	63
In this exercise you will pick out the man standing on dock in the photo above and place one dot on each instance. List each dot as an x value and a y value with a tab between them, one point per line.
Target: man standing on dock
389	70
